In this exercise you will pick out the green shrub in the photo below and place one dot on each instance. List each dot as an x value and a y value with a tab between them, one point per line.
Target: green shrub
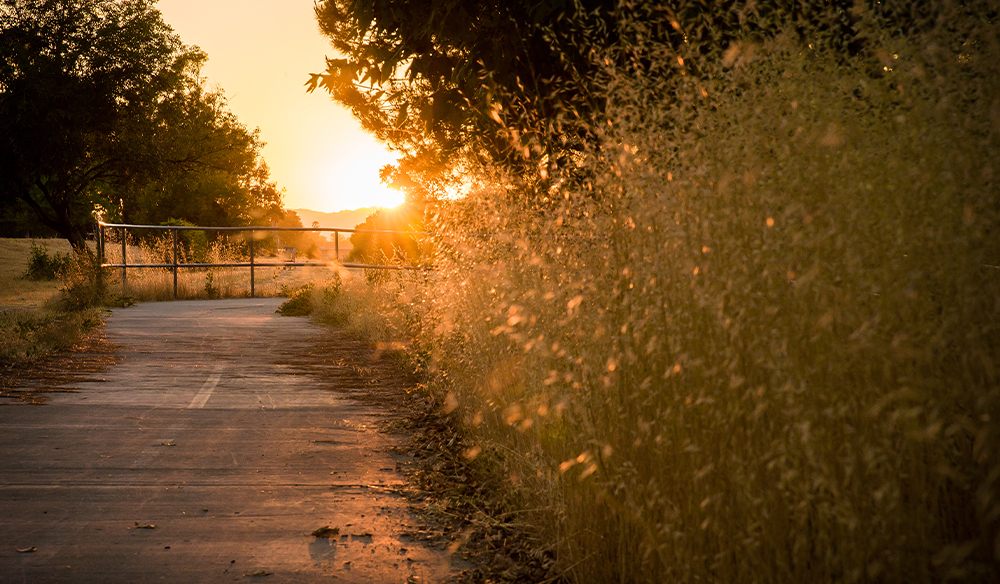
299	303
211	289
324	301
42	266
192	244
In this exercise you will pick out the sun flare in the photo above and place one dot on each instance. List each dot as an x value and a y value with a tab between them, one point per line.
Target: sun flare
362	189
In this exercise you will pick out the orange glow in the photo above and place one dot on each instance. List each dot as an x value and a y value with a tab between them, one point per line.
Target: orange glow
261	53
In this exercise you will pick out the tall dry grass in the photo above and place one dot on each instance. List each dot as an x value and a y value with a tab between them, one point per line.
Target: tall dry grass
755	339
157	284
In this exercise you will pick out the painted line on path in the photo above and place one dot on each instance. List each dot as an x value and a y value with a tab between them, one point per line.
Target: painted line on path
206	390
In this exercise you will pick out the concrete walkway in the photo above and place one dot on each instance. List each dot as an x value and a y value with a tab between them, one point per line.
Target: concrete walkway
214	428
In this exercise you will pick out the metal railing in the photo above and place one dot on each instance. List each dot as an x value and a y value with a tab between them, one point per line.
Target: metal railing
176	265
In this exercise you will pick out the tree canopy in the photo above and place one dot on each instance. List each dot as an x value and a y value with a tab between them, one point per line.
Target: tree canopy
447	77
209	171
520	83
102	108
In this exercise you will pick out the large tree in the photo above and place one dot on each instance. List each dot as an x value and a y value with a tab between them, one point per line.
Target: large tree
100	100
209	169
450	78
519	82
523	84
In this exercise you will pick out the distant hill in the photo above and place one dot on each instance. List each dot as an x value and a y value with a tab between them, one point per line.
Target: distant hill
347	219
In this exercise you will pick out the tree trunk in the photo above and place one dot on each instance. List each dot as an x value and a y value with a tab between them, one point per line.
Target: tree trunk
78	240
60	223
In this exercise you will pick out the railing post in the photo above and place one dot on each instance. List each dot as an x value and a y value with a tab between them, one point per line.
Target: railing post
124	262
336	245
173	232
100	242
100	255
251	264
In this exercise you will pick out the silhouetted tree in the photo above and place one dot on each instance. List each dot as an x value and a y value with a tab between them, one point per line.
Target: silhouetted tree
209	171
436	79
100	105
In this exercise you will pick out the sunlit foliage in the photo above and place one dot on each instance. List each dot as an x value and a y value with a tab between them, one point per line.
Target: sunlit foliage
382	239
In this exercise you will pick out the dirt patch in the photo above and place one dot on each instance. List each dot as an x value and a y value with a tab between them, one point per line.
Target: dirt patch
469	507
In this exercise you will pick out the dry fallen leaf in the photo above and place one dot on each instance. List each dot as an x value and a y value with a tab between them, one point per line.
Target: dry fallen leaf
326	532
26	550
143	526
257	574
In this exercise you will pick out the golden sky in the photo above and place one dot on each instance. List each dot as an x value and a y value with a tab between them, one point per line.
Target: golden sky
261	53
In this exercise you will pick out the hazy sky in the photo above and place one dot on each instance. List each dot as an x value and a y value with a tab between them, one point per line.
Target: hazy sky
261	53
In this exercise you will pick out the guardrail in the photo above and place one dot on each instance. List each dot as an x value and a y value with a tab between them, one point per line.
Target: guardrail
175	265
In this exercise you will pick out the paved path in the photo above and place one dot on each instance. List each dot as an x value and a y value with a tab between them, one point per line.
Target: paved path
214	428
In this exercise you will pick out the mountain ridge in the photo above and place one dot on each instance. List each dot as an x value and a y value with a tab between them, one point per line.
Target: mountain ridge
347	219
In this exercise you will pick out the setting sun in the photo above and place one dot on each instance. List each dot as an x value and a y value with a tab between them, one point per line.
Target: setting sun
358	188
340	169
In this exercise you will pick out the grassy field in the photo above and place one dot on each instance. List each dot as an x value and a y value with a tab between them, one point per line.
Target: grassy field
16	292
